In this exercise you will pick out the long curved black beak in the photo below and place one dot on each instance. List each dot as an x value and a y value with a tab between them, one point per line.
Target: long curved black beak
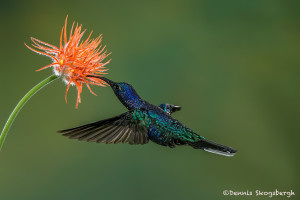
109	82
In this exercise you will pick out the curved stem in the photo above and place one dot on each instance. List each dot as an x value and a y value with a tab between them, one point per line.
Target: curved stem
21	104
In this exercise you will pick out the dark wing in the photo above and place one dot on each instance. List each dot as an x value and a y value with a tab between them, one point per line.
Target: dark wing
122	128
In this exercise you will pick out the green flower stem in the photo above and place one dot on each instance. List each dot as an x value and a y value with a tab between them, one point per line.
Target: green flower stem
21	104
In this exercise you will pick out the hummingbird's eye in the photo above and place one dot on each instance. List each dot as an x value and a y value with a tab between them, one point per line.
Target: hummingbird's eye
118	87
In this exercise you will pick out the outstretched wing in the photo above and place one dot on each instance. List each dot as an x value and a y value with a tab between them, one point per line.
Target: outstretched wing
122	128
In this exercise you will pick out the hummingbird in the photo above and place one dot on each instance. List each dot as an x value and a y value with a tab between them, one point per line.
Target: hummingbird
143	122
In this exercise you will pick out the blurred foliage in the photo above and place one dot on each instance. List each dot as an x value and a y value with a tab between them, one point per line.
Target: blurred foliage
232	65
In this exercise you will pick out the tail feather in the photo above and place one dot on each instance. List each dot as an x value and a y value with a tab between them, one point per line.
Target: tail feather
213	147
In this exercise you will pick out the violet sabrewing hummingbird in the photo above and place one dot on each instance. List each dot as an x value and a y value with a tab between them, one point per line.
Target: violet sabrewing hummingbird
143	122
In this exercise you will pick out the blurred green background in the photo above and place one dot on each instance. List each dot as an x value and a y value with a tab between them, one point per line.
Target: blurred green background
233	66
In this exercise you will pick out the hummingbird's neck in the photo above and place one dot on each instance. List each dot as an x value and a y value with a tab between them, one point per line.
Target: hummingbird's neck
132	104
130	99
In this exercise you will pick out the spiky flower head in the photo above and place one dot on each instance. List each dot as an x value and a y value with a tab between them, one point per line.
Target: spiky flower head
74	60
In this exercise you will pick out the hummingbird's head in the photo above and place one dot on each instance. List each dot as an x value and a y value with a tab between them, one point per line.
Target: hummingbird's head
169	108
124	91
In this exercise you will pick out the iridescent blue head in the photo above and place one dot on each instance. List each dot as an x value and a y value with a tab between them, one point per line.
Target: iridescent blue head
124	91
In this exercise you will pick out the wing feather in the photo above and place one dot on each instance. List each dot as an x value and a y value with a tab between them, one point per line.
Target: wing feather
121	128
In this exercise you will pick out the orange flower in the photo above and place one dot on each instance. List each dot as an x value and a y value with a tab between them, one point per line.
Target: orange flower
75	60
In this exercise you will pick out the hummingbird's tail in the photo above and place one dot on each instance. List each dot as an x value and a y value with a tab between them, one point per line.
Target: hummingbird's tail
213	147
